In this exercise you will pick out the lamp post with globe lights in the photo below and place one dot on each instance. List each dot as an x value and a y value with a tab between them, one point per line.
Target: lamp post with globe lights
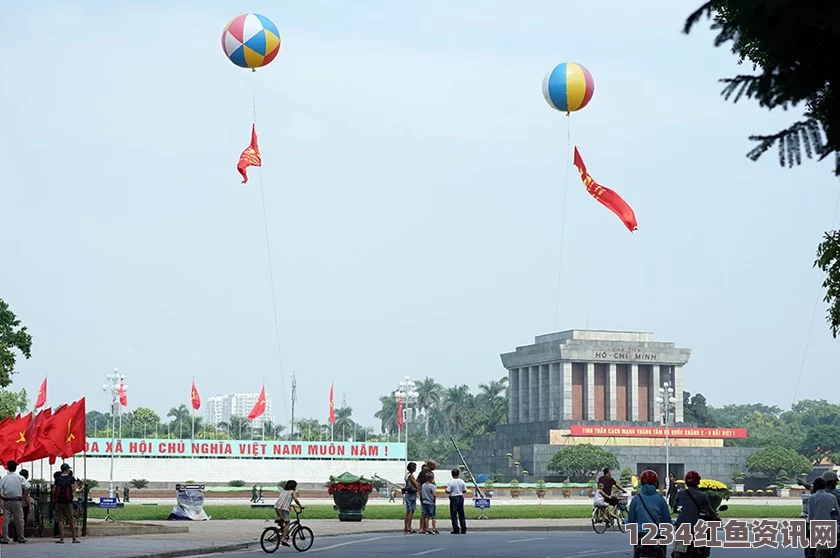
407	391
667	407
113	383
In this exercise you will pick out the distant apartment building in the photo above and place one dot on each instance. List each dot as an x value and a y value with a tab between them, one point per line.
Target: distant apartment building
221	407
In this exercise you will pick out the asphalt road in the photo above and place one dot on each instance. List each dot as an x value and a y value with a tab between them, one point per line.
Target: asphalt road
530	544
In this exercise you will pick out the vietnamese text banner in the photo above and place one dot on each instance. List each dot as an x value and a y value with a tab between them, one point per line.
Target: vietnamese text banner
658	432
269	449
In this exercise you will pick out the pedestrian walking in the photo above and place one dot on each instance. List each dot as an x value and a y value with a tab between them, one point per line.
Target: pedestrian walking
12	488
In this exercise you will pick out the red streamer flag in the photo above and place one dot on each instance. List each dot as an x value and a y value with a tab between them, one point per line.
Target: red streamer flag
195	399
250	156
259	406
123	395
399	413
332	406
42	395
607	197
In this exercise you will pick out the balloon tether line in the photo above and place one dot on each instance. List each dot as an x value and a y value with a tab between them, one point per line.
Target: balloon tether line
813	314
270	268
563	219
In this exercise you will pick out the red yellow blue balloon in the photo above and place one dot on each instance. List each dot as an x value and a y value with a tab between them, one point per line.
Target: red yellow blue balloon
568	87
251	41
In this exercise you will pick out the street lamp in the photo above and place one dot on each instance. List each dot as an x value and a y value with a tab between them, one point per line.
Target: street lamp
667	406
114	382
406	390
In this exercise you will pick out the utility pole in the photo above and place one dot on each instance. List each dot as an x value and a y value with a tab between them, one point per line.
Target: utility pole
294	398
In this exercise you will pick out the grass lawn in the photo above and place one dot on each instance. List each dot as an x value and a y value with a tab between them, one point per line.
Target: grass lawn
160	512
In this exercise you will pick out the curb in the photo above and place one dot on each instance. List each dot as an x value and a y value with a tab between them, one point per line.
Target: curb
200	551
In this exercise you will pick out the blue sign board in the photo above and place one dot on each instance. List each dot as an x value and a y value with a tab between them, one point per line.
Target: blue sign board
482	503
107	502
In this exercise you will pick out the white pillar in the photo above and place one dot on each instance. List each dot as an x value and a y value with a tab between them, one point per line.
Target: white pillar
653	393
589	392
634	392
523	394
513	395
533	393
555	392
678	393
611	397
566	374
544	392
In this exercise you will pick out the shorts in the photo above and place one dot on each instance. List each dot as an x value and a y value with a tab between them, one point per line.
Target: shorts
64	512
429	510
284	515
410	501
612	501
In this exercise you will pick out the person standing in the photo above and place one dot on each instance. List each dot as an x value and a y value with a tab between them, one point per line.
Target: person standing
410	497
125	494
12	487
456	488
254	494
64	488
27	499
672	491
427	491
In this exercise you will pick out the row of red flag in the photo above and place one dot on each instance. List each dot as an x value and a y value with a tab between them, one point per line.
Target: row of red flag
48	434
256	411
41	400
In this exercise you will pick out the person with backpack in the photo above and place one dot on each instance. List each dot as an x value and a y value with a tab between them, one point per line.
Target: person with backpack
63	502
648	506
410	497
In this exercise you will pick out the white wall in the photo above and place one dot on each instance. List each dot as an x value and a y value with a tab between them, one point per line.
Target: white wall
266	471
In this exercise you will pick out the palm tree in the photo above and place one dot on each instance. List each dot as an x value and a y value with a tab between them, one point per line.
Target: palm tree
343	422
180	416
273	431
308	429
428	398
457	404
493	398
387	414
237	426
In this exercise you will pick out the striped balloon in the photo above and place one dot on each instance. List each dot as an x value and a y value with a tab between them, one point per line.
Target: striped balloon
568	87
251	41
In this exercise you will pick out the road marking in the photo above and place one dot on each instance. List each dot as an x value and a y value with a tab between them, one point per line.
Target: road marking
526	540
426	552
599	552
351	542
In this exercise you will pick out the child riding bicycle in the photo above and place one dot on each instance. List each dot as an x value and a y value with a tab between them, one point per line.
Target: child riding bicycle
283	506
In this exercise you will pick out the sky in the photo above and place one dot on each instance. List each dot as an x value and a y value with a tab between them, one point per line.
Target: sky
414	180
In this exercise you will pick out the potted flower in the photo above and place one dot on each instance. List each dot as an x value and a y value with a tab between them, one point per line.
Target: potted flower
514	488
782	479
738	480
716	491
567	488
488	487
540	488
350	494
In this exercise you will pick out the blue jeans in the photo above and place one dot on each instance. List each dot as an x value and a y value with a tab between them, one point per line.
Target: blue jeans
410	501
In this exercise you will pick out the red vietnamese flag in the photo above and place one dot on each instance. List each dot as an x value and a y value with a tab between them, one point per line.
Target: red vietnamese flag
123	395
332	406
250	156
607	197
259	406
399	413
42	395
34	449
195	398
64	432
12	435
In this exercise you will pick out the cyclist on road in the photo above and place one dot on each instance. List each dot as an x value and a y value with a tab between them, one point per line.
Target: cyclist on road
648	507
610	484
283	506
600	500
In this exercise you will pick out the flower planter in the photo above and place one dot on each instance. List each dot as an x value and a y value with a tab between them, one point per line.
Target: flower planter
350	494
514	494
785	493
540	493
567	493
350	504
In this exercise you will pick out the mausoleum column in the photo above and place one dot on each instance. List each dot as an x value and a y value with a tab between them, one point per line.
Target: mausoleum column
523	394
555	392
544	392
566	375
611	396
533	394
634	392
678	393
653	393
513	397
589	392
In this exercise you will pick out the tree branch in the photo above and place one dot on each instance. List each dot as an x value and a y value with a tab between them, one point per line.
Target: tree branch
693	19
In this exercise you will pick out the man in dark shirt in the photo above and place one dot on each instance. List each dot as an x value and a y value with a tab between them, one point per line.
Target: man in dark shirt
609	483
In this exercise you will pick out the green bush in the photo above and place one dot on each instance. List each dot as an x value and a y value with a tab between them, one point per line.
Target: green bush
139	483
237	483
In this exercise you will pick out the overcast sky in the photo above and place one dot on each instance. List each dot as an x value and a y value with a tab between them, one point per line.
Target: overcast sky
414	180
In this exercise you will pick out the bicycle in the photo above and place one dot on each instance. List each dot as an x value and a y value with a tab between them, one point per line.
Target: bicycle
601	521
302	537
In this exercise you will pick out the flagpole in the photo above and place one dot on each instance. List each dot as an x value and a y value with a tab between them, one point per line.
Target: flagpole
193	411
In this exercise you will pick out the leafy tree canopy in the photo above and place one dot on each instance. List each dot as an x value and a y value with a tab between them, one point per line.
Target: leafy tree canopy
793	48
14	339
580	462
773	461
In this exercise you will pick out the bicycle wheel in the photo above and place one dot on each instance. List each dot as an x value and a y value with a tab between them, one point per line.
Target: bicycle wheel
622	520
598	522
303	539
270	539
